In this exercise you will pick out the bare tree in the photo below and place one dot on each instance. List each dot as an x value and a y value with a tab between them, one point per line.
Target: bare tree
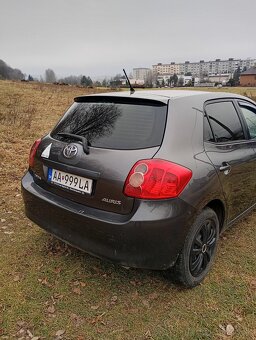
149	79
181	81
90	120
50	76
72	80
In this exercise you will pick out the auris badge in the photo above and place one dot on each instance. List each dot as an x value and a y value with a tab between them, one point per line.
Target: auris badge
70	151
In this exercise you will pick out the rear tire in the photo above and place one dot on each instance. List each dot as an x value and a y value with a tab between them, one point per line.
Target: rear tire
197	255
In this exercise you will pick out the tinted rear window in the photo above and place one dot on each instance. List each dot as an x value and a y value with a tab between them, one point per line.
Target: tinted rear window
115	125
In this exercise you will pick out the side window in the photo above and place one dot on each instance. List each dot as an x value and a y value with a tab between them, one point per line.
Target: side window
249	113
224	121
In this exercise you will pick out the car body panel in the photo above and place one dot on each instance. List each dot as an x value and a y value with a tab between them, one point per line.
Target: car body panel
107	168
204	185
151	237
238	183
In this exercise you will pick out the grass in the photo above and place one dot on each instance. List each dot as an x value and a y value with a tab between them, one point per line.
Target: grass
47	287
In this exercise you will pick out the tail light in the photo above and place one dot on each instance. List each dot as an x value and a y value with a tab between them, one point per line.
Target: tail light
33	152
155	179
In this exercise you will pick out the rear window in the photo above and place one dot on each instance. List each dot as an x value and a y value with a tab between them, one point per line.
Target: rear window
115	125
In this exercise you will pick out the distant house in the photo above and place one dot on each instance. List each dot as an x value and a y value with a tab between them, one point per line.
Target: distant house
248	78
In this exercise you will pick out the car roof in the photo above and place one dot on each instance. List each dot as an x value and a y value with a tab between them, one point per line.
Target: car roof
162	93
166	95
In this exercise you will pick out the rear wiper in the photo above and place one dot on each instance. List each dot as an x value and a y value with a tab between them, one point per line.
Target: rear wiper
84	140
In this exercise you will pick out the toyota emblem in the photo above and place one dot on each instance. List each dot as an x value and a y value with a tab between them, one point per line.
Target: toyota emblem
70	151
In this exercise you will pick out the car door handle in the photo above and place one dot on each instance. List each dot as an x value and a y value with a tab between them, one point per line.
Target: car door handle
225	167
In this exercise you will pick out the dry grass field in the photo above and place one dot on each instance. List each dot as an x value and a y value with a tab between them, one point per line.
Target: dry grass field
49	290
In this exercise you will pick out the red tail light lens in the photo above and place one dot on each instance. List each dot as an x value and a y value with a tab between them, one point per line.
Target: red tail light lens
155	179
33	152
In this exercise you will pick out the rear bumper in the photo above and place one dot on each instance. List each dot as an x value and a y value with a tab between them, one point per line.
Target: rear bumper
151	237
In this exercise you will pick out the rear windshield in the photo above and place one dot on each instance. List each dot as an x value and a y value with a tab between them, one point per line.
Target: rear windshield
125	126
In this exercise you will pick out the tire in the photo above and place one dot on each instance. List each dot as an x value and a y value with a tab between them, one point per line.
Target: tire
197	255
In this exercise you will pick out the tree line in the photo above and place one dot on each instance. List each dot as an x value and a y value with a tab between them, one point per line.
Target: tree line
49	76
7	72
82	80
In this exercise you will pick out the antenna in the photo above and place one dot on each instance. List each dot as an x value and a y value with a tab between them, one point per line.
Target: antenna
128	81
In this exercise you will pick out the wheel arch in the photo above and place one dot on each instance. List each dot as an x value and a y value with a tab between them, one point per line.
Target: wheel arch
218	207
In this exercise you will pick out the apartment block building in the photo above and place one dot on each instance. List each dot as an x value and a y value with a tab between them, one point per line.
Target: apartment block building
169	69
204	68
141	73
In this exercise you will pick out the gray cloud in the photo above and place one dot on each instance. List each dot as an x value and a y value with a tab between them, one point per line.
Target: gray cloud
99	37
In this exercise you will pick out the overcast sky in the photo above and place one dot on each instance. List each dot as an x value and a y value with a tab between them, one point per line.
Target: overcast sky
100	37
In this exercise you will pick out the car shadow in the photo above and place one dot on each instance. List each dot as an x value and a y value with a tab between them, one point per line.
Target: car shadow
104	269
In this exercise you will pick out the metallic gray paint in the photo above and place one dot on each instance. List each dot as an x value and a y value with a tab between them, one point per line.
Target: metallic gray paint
150	237
144	233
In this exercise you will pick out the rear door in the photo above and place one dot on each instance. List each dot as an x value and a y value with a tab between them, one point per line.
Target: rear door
248	113
119	132
231	152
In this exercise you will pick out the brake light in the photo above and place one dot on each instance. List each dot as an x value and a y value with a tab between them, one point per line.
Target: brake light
155	179
33	152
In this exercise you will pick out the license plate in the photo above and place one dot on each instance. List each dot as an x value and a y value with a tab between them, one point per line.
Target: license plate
70	181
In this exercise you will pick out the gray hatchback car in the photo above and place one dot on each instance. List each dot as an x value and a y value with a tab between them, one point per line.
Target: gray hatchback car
148	179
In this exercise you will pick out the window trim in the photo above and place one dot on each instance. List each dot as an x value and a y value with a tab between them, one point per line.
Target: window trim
240	117
249	104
